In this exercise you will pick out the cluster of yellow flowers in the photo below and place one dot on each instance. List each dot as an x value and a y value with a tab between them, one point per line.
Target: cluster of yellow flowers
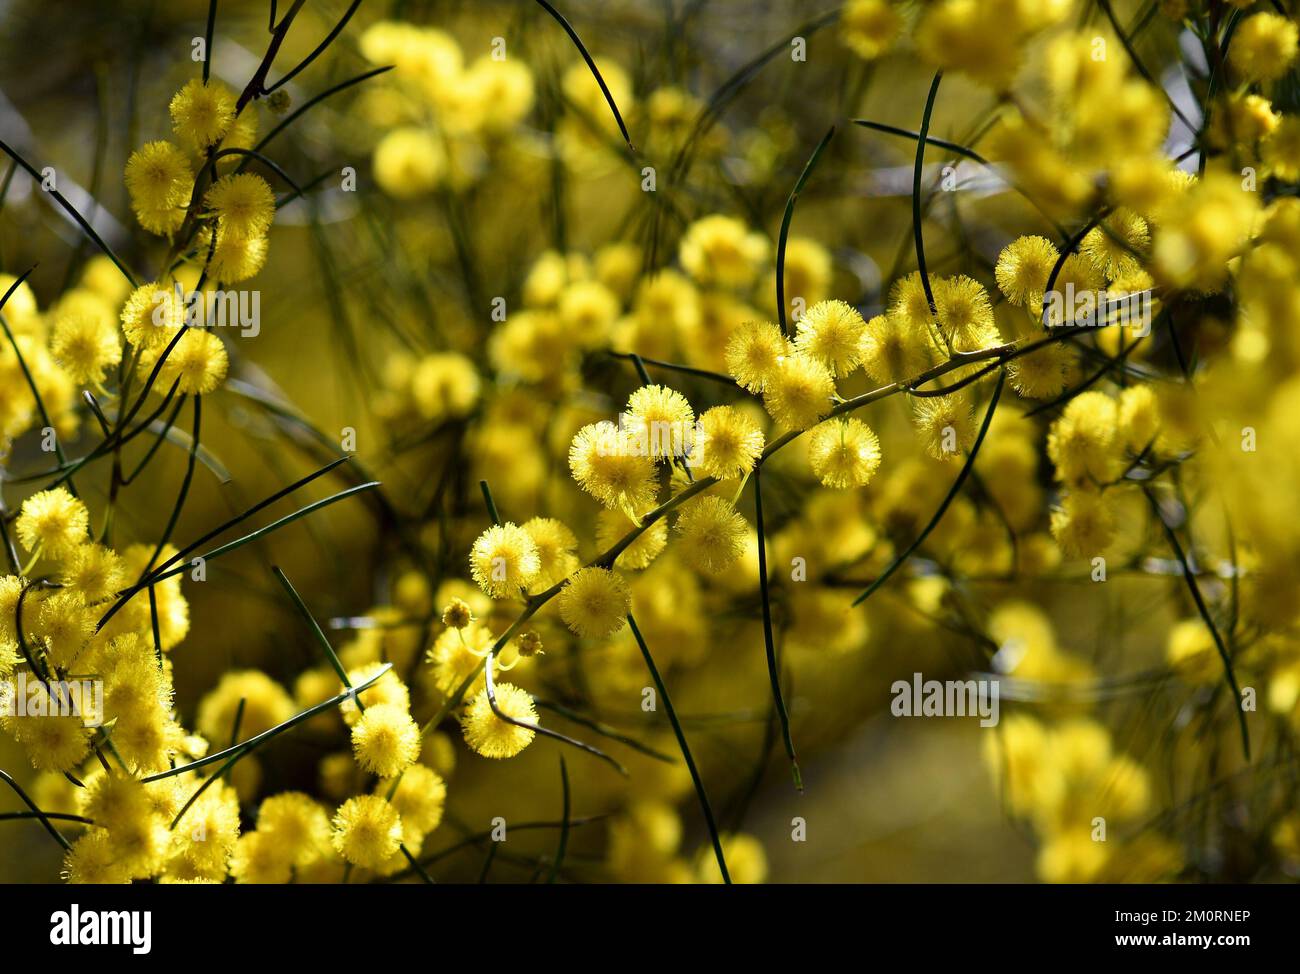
683	492
1153	236
441	119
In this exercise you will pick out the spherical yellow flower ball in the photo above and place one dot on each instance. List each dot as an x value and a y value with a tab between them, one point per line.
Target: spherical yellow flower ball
608	463
93	860
1082	443
844	453
54	520
504	560
1084	524
152	314
489	735
265	704
556	550
235	258
1071	856
419	798
409	162
946	425
386	740
297	823
1023	268
870	27
259	858
1139	417
965	313
159	180
504	90
243	204
388	689
445	385
731	442
1264	46
721	251
202	112
832	333
753	353
85	347
196	365
711	534
595	602
660	421
367	831
798	392
892	351
52	743
457	654
1043	373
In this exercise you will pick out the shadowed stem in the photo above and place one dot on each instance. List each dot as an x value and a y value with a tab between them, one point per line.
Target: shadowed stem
773	670
44	819
686	750
1229	676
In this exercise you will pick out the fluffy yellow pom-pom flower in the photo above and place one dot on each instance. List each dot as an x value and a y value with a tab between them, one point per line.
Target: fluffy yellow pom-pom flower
893	350
720	250
94	572
489	735
1082	442
419	798
409	162
1264	46
753	353
94	860
1043	373
385	740
457	653
202	112
965	314
844	453
297	824
197	364
85	346
832	332
159	179
152	315
367	831
798	392
504	560
746	861
234	258
731	442
556	550
660	421
608	463
260	859
1023	268
595	603
1139	417
243	204
711	534
53	519
946	424
1083	525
